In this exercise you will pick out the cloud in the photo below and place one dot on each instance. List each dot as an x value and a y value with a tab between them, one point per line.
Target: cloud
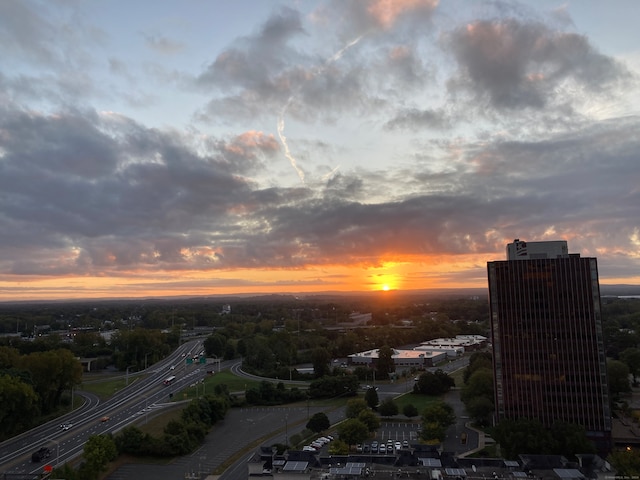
509	64
163	44
418	119
424	136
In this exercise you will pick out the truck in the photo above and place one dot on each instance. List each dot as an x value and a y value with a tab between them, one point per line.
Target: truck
40	454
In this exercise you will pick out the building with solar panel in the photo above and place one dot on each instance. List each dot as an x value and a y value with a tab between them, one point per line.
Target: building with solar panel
548	351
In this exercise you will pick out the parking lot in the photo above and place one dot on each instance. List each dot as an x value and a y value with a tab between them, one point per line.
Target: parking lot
391	437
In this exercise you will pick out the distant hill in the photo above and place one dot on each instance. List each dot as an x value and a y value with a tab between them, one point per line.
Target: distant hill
480	293
620	290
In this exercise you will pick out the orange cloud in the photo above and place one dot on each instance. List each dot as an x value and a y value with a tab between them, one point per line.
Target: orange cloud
385	12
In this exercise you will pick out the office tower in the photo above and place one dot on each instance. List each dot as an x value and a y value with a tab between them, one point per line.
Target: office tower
548	352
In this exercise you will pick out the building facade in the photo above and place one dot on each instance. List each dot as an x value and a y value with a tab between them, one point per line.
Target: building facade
548	350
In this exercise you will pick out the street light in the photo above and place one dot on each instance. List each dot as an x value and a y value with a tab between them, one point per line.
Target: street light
127	375
286	431
57	451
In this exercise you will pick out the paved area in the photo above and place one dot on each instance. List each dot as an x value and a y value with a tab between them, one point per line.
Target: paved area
240	428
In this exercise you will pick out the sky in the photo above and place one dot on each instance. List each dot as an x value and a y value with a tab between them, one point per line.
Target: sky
192	147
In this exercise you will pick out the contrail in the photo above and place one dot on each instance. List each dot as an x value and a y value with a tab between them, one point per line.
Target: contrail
283	139
287	152
339	53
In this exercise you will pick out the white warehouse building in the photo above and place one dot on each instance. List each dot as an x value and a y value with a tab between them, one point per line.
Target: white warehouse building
401	358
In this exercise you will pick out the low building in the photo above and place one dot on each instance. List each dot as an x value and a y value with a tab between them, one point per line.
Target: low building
401	358
466	342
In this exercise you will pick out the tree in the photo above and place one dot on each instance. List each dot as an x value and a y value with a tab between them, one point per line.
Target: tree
388	408
436	418
318	422
53	372
435	383
626	463
321	360
214	345
631	357
522	435
477	360
480	409
371	397
338	447
618	373
409	410
353	431
370	419
355	406
570	439
19	404
98	452
480	384
385	364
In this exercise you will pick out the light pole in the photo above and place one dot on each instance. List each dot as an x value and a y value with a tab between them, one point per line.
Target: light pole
57	451
286	431
127	375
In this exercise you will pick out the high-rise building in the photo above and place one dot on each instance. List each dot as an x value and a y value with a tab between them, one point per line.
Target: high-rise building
548	352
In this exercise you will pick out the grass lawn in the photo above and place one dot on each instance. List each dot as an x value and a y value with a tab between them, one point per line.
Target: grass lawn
155	424
108	387
418	401
233	383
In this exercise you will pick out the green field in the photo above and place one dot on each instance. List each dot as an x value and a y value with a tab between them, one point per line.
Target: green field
108	386
234	385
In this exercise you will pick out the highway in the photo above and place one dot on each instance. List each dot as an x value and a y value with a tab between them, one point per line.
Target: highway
145	393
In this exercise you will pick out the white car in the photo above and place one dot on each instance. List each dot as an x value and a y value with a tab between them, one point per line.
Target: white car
66	426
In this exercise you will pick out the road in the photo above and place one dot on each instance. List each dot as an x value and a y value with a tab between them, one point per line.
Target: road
145	393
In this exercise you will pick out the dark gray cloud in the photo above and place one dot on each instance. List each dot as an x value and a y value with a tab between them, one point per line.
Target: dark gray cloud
510	64
415	119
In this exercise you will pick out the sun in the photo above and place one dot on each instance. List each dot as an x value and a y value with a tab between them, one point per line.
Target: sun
385	288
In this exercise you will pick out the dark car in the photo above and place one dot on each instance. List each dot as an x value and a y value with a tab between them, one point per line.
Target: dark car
41	454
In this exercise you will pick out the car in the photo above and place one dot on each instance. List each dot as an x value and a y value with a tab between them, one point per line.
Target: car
104	419
66	426
172	367
40	454
308	448
366	448
359	448
397	445
382	448
405	444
